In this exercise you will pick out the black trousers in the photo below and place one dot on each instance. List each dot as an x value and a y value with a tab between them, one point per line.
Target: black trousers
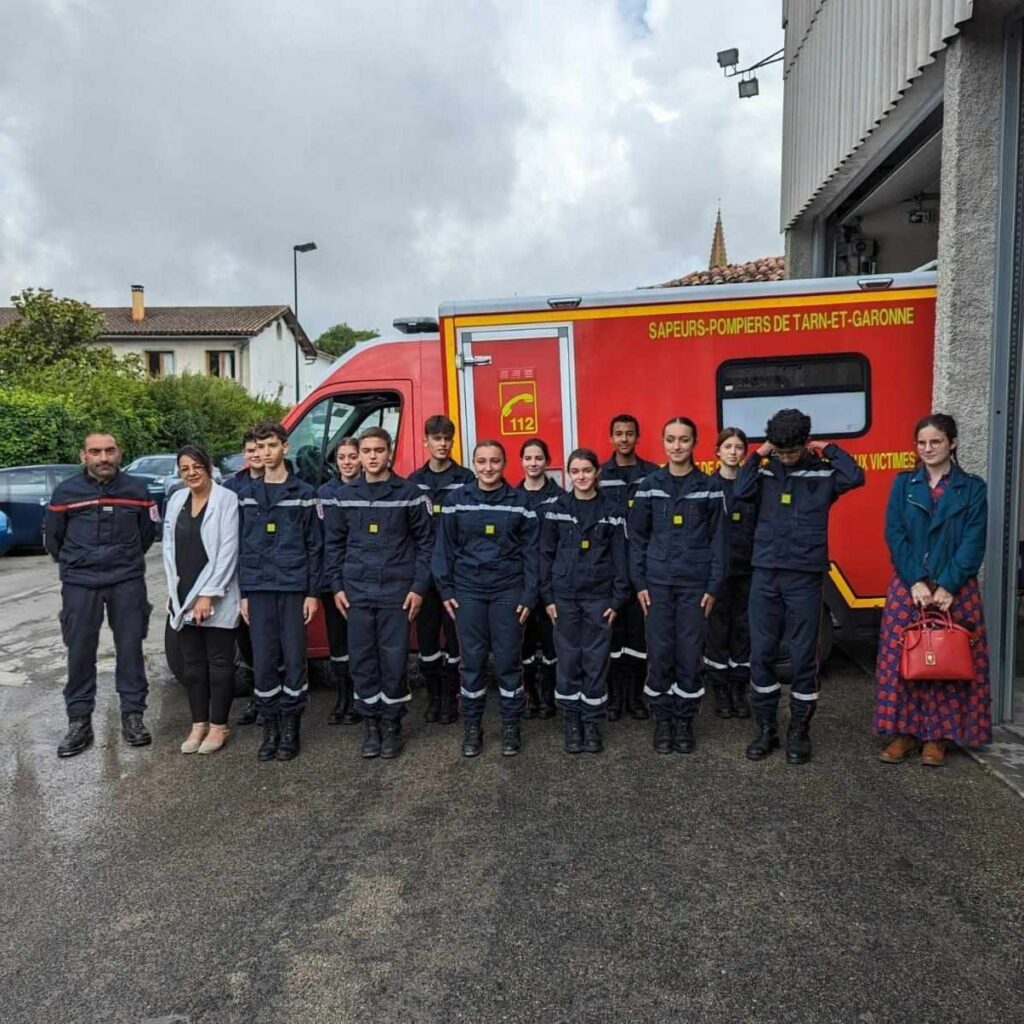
583	639
727	652
278	637
209	655
538	640
337	630
379	644
629	638
436	637
81	618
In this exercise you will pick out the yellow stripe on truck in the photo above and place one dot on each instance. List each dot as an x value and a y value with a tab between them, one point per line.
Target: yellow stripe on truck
452	386
847	594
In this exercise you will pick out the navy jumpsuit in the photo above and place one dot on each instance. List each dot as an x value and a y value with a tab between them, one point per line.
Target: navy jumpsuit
486	558
279	566
377	550
790	559
99	534
436	636
583	571
677	553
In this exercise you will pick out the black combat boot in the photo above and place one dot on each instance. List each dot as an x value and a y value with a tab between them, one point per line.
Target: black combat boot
798	740
635	704
449	710
592	742
614	692
371	738
663	735
288	743
723	698
573	732
530	688
77	738
245	681
738	690
684	742
546	708
271	738
393	742
433	682
766	740
249	715
472	738
134	730
511	739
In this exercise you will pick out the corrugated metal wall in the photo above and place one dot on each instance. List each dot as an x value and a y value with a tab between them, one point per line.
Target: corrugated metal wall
847	64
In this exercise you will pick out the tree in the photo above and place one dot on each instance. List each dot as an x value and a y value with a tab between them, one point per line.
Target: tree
337	340
47	331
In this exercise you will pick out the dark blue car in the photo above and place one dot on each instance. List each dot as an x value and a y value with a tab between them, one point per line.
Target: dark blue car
24	494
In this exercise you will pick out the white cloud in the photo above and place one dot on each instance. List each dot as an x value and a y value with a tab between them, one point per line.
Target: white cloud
433	150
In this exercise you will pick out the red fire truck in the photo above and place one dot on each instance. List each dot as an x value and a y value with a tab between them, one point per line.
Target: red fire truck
855	354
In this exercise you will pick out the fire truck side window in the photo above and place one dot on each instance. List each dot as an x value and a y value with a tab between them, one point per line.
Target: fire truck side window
834	390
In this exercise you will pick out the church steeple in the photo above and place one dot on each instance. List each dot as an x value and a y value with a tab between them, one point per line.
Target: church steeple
718	256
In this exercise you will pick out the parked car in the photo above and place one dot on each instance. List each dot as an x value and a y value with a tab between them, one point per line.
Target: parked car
24	494
159	472
6	534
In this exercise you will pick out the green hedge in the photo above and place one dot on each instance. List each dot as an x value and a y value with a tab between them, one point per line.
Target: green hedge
38	428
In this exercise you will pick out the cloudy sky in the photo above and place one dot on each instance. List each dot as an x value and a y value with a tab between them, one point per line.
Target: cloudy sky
434	149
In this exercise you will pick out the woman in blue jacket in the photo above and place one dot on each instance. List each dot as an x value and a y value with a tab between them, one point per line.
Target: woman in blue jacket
935	530
485	566
584	583
678	560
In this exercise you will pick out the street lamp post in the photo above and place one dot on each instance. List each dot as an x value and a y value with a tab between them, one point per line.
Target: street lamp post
296	249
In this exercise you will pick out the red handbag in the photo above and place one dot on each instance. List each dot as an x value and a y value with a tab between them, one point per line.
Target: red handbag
936	647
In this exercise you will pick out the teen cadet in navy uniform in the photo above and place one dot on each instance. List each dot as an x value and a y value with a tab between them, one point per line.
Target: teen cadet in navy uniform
439	665
377	550
584	583
619	478
677	562
794	482
539	655
98	527
727	652
279	568
486	566
346	463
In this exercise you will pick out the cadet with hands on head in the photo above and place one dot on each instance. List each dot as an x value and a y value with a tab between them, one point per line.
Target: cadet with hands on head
584	583
377	550
794	482
486	568
619	479
678	561
347	469
436	636
539	655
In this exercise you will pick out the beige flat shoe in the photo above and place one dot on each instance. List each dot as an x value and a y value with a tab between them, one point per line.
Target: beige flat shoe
195	738
215	739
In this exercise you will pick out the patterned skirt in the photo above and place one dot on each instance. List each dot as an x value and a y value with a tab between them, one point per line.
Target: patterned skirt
940	710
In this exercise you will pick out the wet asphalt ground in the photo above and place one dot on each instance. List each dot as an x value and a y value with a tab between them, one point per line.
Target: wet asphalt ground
142	885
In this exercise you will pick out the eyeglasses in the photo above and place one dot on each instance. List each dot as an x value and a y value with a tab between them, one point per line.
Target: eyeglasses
931	444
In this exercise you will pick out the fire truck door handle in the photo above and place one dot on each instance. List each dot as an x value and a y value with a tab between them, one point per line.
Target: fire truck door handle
462	361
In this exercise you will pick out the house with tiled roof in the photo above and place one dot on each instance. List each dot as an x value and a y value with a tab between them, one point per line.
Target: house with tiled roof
263	348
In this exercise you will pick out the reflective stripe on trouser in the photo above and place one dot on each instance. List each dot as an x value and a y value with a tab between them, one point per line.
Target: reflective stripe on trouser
629	639
675	648
378	644
538	641
278	637
583	640
337	628
81	617
727	650
785	605
436	638
490	626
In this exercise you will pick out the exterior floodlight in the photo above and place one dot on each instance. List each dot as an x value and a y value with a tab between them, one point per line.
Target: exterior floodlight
748	88
728	58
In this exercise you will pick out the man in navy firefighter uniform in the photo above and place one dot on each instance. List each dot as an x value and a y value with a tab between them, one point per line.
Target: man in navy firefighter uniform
279	568
99	526
619	479
378	542
438	477
794	482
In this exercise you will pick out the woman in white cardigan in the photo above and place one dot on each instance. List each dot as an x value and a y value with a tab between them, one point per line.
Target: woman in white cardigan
200	547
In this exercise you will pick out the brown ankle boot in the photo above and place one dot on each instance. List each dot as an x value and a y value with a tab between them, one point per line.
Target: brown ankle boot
933	753
899	750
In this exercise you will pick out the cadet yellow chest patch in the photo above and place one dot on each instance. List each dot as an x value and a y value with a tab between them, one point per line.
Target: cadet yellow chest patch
374	528
787	499
629	504
437	510
584	545
677	520
489	529
271	527
737	516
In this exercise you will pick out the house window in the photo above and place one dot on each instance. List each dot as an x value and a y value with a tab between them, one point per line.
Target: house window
834	390
160	364
221	364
